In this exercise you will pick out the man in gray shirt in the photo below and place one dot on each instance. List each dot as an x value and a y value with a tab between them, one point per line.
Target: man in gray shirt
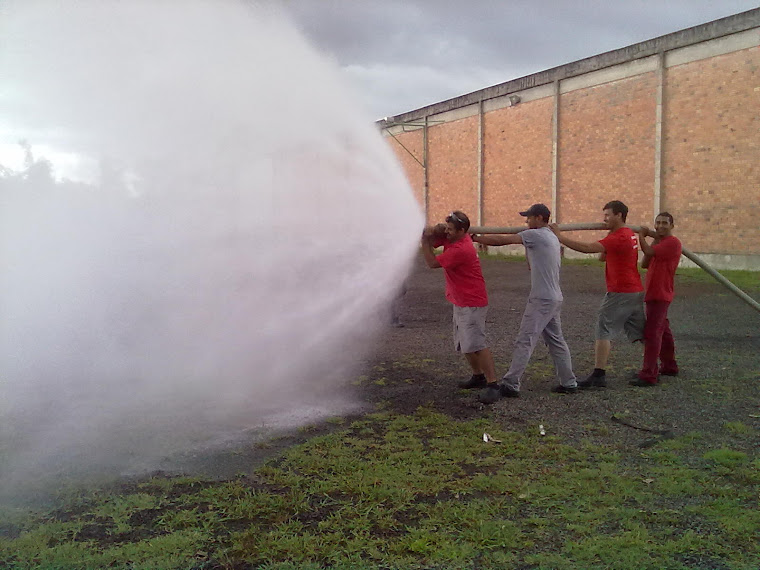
541	318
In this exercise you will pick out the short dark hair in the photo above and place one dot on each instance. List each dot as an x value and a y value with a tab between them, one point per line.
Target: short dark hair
459	219
617	207
667	215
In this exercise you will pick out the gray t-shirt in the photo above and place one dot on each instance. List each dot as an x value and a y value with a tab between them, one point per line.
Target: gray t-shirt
542	249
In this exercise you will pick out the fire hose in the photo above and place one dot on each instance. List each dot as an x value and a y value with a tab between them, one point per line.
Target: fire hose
600	226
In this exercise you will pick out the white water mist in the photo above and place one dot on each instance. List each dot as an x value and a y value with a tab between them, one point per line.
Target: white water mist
231	254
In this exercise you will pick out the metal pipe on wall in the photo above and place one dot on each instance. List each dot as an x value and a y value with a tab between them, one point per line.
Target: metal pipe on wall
600	226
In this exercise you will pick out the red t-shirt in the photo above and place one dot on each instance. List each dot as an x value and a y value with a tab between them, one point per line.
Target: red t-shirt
465	285
621	271
662	269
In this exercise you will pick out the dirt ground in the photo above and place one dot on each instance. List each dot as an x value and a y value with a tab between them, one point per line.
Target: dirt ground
717	343
717	346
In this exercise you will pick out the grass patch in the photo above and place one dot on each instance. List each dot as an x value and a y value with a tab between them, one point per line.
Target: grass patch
728	458
741	278
502	256
744	279
520	258
738	428
418	491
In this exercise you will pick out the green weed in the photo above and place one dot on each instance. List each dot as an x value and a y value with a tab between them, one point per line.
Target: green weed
738	428
420	491
726	457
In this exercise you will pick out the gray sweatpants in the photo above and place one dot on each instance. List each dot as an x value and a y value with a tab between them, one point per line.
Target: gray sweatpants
541	320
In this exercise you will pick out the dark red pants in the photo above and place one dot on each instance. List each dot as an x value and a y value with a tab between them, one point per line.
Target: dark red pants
658	343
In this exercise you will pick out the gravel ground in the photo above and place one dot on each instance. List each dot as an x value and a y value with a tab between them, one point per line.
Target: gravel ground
717	343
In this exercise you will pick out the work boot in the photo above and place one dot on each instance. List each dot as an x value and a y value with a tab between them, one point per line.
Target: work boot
642	383
490	394
594	381
635	377
477	381
508	392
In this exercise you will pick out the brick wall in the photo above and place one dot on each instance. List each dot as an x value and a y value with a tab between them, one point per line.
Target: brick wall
517	161
412	143
606	150
453	169
711	152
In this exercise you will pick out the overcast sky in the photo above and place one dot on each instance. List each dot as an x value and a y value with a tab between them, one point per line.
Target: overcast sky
404	54
400	55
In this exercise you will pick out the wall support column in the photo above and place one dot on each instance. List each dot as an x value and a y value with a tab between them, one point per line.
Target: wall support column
657	198
425	185
555	152
480	163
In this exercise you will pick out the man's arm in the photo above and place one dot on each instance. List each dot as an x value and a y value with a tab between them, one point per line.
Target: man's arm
649	249
582	246
427	252
645	247
503	239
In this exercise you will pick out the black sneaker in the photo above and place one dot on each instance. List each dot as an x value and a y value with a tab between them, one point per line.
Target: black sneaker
565	389
642	383
663	373
633	377
477	381
593	381
490	394
508	392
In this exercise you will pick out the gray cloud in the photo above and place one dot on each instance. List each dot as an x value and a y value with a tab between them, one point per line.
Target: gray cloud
401	55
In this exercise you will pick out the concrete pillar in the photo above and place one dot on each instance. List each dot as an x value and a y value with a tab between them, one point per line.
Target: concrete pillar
480	162
657	201
425	186
555	152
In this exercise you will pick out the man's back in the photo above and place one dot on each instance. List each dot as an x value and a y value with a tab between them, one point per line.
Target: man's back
543	251
622	254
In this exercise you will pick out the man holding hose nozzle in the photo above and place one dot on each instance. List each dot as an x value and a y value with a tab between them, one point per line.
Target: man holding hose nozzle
466	290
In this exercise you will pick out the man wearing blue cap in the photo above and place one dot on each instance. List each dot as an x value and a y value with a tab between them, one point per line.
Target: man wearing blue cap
541	318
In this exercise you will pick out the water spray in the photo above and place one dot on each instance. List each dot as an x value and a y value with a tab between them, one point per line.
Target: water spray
216	265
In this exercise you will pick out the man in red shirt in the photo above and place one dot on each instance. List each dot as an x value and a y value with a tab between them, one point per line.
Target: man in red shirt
622	307
466	290
661	258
